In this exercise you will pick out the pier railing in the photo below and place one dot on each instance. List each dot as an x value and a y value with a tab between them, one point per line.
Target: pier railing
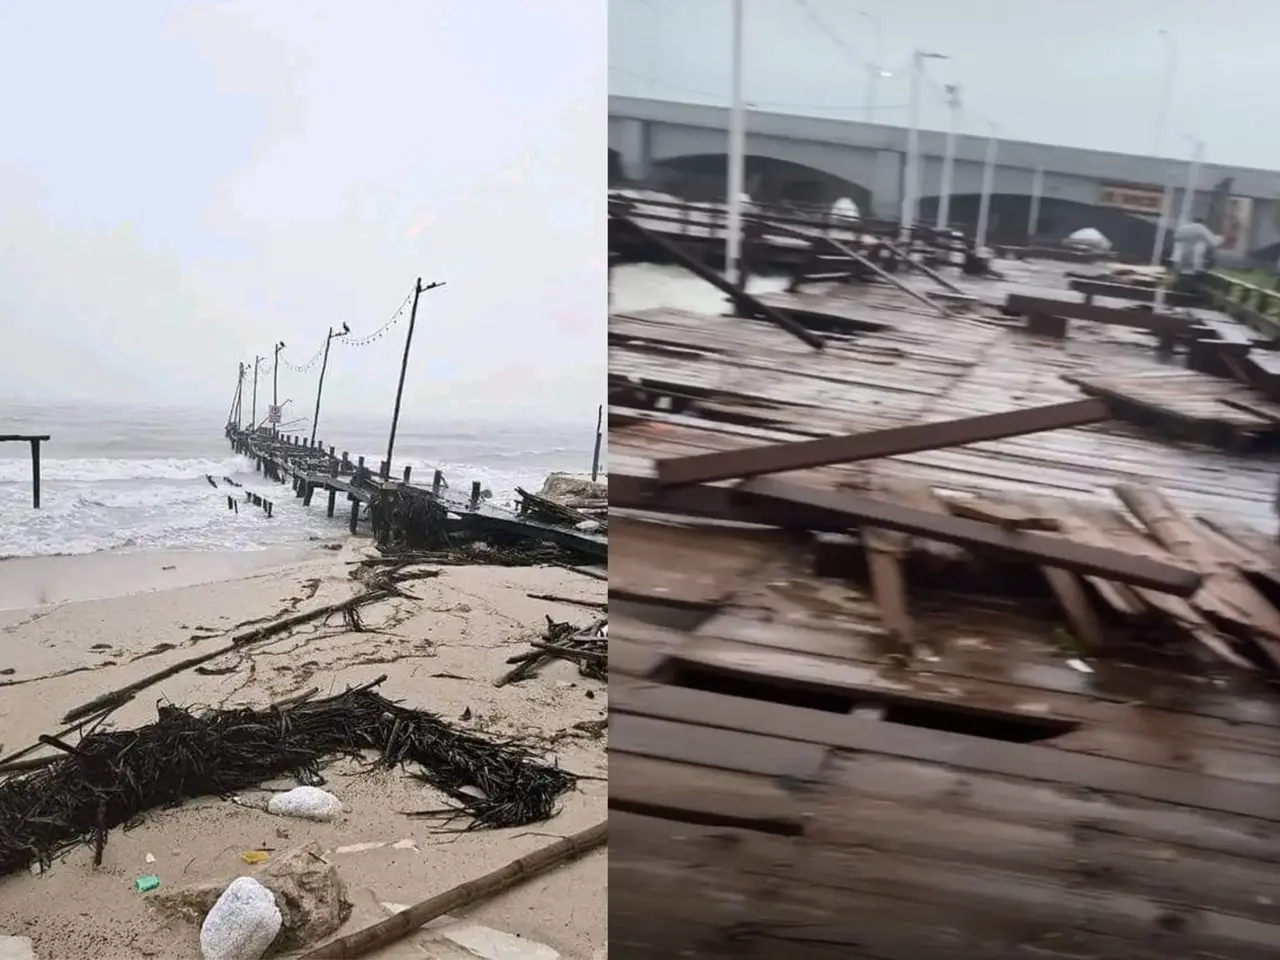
1255	306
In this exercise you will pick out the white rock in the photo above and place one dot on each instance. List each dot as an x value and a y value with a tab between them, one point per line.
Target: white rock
306	803
241	924
17	948
587	526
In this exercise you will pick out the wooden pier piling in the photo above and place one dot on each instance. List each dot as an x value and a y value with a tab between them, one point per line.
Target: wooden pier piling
35	441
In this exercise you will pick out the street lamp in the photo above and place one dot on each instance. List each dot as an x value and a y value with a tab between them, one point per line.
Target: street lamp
910	188
315	420
988	175
737	157
949	157
874	69
1162	121
253	417
275	388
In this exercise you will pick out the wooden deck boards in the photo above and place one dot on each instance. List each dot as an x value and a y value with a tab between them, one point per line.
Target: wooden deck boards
1003	785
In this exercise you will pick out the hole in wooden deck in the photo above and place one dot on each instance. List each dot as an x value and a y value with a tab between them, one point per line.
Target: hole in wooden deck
707	818
896	708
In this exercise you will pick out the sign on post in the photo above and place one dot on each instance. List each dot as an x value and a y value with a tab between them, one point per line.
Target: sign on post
273	414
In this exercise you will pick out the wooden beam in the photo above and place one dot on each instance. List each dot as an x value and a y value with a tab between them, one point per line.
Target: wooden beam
743	300
856	510
895	441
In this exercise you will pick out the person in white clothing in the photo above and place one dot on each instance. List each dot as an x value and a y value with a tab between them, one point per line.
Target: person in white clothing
1193	246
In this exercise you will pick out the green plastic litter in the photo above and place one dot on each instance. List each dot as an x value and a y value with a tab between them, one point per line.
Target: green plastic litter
147	883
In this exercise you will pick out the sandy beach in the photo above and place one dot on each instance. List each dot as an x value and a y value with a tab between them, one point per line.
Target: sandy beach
440	652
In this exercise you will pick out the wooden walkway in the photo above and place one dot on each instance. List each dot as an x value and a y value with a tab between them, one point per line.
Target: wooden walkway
842	741
308	469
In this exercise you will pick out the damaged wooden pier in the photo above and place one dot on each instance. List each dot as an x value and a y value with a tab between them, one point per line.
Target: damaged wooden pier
403	515
919	651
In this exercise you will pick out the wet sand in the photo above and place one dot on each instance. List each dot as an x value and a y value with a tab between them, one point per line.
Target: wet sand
38	581
441	652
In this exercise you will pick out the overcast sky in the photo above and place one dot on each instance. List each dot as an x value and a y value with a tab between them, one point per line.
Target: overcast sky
184	183
1086	73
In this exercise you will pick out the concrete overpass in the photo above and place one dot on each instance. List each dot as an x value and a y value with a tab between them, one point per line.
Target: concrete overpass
681	147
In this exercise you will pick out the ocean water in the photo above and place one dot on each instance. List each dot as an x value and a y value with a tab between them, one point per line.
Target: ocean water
133	478
645	286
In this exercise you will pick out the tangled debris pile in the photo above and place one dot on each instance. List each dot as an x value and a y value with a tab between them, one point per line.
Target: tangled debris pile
111	778
587	647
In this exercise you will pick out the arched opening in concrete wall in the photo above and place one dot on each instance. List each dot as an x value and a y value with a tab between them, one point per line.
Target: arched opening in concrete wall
768	180
1130	235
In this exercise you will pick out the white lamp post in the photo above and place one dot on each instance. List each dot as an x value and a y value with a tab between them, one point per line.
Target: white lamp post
988	175
737	156
949	157
910	187
1162	122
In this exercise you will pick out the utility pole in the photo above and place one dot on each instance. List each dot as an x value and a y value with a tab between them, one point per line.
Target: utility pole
737	159
1162	120
257	362
949	157
911	173
1033	215
275	387
984	206
315	420
418	291
235	396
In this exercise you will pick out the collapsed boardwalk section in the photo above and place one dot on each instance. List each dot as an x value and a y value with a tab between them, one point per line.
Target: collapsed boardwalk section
996	694
404	515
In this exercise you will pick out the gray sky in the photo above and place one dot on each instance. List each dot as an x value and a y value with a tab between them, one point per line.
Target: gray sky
183	183
1086	73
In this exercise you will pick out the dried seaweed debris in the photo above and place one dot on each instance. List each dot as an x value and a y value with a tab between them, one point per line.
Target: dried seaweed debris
109	779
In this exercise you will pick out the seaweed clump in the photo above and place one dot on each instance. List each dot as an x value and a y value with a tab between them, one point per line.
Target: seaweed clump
111	778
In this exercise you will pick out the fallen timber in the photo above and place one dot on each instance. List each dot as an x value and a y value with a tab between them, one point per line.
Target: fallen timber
872	738
406	516
1234	350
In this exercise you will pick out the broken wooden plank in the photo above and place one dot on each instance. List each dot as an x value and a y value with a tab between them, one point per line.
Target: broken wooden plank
1092	528
1019	304
885	551
1005	515
867	264
895	441
856	510
1226	594
1082	616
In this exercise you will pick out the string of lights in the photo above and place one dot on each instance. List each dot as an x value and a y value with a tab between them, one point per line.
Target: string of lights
383	330
303	367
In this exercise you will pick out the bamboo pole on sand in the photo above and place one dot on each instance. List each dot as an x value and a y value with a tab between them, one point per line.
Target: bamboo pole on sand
405	922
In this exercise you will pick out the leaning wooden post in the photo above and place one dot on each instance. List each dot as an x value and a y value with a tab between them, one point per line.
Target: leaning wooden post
595	456
35	472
